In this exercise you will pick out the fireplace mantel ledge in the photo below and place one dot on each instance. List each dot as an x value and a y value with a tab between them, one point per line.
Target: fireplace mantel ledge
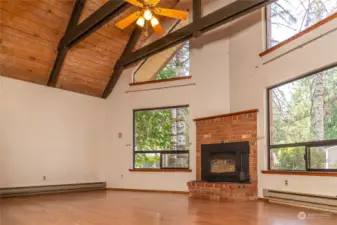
227	115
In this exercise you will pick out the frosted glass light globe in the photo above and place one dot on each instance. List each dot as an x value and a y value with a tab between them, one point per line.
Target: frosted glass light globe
148	14
141	22
154	21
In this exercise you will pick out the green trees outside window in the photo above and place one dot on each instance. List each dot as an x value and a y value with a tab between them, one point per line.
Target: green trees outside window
161	138
178	66
304	113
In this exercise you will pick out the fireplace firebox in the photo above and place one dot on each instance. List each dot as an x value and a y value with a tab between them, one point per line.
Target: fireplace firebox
225	162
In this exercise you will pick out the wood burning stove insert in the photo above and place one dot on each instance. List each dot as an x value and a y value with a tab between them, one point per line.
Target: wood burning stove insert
225	162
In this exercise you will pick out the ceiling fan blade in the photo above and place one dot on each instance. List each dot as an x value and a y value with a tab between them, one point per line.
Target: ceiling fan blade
158	29
135	3
172	13
152	2
127	21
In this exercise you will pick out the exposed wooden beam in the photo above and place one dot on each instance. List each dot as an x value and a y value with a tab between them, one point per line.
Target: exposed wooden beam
62	52
99	18
211	21
118	70
197	13
196	10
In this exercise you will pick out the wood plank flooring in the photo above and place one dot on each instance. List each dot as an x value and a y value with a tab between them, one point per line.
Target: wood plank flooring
133	208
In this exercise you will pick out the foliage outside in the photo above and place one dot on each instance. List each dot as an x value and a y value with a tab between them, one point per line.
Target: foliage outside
304	110
178	66
289	17
295	111
153	132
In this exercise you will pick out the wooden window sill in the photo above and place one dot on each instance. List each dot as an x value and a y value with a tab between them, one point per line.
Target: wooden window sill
301	173
161	170
300	34
161	81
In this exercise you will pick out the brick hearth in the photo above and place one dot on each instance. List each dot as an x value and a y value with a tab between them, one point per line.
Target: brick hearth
234	127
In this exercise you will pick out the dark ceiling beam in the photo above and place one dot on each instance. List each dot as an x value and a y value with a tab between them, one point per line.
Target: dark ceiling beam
197	13
211	21
196	10
119	68
62	52
99	18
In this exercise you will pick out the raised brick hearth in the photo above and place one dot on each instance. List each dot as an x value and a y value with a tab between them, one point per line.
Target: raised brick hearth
234	127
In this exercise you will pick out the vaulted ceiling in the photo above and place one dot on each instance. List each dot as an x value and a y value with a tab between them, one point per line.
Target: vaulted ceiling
32	29
74	44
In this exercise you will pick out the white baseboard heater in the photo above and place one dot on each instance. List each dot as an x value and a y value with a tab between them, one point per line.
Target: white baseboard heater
319	202
50	189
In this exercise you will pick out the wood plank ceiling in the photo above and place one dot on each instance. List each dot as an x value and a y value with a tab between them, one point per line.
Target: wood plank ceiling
31	30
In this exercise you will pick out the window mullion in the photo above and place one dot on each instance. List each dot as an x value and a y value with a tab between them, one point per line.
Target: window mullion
307	158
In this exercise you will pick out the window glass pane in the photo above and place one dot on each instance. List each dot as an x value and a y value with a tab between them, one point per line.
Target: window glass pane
147	160
175	161
287	158
171	63
286	18
161	129
323	157
304	110
178	66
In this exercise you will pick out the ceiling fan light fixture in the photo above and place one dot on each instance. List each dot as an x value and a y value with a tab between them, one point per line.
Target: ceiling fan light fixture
154	21
141	21
148	14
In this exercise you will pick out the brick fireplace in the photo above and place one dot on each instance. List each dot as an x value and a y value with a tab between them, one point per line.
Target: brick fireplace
224	139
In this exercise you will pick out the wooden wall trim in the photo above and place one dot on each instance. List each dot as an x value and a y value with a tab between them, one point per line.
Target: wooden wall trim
227	115
300	34
146	190
161	170
160	81
300	173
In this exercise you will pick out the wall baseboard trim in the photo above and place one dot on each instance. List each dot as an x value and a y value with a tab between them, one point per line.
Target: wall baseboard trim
263	199
150	191
50	189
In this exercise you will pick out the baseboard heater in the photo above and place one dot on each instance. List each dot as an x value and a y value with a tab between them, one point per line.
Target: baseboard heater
50	189
319	202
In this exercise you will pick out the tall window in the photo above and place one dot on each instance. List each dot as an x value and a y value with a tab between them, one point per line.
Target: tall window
286	18
303	123
161	138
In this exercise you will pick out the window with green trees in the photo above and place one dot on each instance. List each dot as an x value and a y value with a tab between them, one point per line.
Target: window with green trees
161	138
178	66
303	123
287	18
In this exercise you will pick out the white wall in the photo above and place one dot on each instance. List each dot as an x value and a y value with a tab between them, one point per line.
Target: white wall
47	132
249	79
207	94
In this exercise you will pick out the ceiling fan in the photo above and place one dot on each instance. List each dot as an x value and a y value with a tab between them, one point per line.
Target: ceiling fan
146	14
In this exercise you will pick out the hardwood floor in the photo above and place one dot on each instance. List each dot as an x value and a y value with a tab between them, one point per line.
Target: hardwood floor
133	208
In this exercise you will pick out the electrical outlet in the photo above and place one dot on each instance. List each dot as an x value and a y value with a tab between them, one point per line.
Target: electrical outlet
286	182
44	177
122	176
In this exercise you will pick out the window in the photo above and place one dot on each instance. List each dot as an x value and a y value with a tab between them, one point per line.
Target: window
287	18
161	138
178	66
171	63
303	123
